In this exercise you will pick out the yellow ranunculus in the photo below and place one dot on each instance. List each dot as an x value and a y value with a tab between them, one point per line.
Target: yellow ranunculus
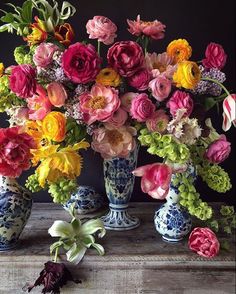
56	164
34	129
108	77
38	33
179	50
187	75
1	69
54	126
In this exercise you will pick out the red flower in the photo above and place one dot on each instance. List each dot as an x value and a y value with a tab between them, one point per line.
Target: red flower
215	56
14	152
64	34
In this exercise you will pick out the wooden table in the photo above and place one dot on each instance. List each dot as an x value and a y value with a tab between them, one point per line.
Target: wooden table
136	261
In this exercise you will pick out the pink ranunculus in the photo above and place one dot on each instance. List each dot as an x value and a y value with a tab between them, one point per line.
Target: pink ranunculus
101	28
57	94
99	104
43	55
229	112
153	29
219	150
215	56
142	108
118	118
158	122
180	100
160	87
126	57
140	79
14	151
204	242
114	142
23	80
81	63
39	105
155	179
126	100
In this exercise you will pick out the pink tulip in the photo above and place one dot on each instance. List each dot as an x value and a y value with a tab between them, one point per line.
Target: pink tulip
155	179
57	94
229	112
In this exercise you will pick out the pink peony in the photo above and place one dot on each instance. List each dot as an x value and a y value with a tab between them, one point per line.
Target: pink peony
126	57
118	118
204	242
81	63
39	105
101	28
229	112
126	100
153	29
57	94
43	55
158	122
180	100
23	80
219	150
155	179
142	108
114	142
99	104
160	87
140	79
14	152
215	56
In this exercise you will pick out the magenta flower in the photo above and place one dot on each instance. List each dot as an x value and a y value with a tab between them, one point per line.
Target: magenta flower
140	79
160	87
219	150
180	100
155	179
215	56
142	108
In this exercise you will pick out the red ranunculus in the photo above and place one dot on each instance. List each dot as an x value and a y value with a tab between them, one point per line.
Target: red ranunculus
81	63
14	151
215	56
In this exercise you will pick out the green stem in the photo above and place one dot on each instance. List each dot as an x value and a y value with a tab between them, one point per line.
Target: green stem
99	47
218	83
56	254
146	42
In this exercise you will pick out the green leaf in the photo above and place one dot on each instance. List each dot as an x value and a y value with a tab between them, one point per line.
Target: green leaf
61	229
67	10
225	245
27	11
209	102
76	253
6	27
227	230
7	18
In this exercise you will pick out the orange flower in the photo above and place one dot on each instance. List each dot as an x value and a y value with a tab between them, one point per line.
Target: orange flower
54	126
38	33
64	34
179	50
34	129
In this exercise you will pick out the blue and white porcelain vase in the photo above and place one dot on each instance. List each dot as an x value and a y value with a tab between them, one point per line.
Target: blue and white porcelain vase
172	220
119	184
15	209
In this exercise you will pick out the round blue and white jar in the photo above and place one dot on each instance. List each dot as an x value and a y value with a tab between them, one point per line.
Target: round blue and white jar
15	209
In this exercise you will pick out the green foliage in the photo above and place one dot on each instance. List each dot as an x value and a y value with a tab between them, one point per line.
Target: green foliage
9	101
32	183
61	190
74	132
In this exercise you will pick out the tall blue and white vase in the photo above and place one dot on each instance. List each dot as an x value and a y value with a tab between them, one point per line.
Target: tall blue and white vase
119	184
15	209
172	220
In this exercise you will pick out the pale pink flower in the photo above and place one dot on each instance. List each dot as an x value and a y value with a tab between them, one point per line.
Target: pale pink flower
158	122
153	29
142	108
99	104
114	142
229	112
43	55
140	79
118	118
126	100
180	100
155	179
160	87
218	151
39	105
101	28
57	94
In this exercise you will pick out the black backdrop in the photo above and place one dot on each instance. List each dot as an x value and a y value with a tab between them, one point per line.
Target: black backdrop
200	22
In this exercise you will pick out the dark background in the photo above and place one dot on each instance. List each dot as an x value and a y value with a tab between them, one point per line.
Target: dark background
200	22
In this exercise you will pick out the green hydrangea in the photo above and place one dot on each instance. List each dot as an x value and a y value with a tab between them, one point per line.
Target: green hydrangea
9	101
32	183
24	54
4	85
61	190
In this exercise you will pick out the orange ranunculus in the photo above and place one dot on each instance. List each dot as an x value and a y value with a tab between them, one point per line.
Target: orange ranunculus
34	129
179	50
108	77
38	33
64	34
54	126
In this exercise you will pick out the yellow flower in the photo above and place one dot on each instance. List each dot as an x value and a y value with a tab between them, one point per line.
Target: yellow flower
187	75
65	163
179	50
108	77
34	129
38	33
54	126
1	69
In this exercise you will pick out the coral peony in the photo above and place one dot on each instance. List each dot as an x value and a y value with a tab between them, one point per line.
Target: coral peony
219	150
215	56
57	94
22	80
155	179
54	126
179	50
229	112
160	87
101	28
43	55
118	118
126	57
81	63
114	142
180	100
99	104
158	122
14	152
204	242
152	29
142	107
126	100
140	79
64	34
108	77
